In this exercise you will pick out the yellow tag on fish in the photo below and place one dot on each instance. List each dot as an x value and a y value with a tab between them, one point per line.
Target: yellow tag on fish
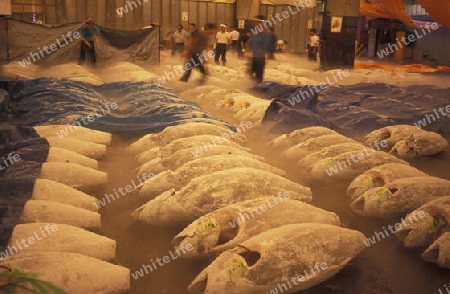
206	226
237	269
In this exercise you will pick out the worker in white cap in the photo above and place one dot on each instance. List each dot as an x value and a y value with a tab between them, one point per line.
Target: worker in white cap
223	39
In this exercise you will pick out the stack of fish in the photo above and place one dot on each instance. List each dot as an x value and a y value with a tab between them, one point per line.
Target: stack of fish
241	210
395	190
72	248
243	106
327	157
408	141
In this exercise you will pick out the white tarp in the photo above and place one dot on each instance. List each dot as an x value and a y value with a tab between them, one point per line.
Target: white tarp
5	7
300	3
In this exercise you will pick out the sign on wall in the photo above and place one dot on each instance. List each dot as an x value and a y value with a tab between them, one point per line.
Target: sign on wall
184	15
241	24
336	24
5	7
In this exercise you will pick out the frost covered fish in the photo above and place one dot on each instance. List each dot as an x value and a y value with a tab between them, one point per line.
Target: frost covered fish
285	258
37	211
329	151
91	150
56	154
200	167
400	197
74	175
53	191
434	221
381	175
421	144
312	145
231	225
72	272
74	132
170	134
298	136
202	142
183	156
65	238
208	193
346	166
439	251
391	134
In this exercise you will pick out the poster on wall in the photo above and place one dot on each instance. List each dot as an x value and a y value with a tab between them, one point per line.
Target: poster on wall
241	24
184	16
5	7
336	24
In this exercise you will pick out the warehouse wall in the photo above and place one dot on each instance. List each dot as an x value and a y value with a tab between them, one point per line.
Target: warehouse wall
137	13
295	28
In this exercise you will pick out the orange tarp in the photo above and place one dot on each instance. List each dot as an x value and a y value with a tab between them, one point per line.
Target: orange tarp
412	68
392	9
438	9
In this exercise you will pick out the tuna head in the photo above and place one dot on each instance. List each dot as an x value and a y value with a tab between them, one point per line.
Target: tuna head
209	232
362	184
375	202
439	251
427	223
285	257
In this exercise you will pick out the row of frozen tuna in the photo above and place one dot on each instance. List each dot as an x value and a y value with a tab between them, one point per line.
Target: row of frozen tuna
73	248
395	190
239	209
325	156
381	185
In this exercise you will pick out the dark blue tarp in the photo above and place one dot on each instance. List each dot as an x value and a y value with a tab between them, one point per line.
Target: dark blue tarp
142	107
353	110
17	177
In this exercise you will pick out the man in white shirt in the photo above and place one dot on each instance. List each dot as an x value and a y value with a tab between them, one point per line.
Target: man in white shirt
234	38
223	39
179	37
313	45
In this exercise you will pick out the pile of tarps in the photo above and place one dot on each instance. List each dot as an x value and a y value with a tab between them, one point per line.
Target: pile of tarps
24	42
355	110
22	152
140	107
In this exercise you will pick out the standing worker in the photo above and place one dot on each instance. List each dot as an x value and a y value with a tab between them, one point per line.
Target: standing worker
259	43
179	38
313	45
234	38
88	34
222	41
196	48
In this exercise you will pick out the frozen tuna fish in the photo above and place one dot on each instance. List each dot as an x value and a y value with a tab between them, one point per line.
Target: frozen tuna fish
381	175
74	175
56	154
312	145
53	191
91	150
72	272
291	258
64	238
181	157
421	144
200	167
329	151
227	227
202	141
299	136
208	193
391	135
346	166
400	197
439	251
74	132
42	211
432	221
170	134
